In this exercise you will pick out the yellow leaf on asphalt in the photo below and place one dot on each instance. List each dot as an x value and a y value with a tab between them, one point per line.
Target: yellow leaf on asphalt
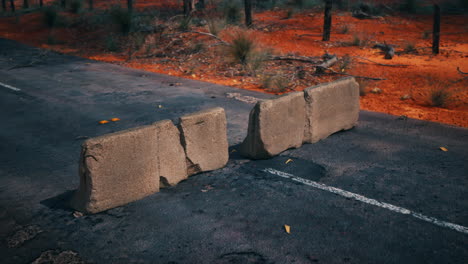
289	160
443	149
287	228
115	119
160	106
103	122
233	150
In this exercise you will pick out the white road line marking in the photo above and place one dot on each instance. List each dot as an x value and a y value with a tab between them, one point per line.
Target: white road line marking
364	199
10	87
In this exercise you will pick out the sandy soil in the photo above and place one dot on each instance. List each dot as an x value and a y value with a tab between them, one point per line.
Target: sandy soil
406	90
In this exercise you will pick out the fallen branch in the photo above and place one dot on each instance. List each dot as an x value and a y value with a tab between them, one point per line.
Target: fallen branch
309	35
295	58
389	50
357	76
383	64
459	71
326	65
211	35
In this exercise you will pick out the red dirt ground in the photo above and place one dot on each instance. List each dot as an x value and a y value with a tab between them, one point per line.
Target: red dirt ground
423	74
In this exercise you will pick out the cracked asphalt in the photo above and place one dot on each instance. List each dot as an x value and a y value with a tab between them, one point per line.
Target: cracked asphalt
232	215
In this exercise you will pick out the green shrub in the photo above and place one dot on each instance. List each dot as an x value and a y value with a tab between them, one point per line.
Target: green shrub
275	83
440	96
215	26
344	29
426	34
410	47
242	47
112	43
184	24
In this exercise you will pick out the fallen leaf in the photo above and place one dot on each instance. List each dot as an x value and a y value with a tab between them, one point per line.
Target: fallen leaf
443	149
204	190
160	106
289	160
103	122
287	228
115	119
234	150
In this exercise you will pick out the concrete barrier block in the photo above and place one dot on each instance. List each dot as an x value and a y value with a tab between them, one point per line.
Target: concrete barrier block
117	168
204	137
331	107
171	154
275	126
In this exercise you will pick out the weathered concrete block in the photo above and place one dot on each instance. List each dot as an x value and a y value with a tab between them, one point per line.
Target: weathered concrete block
204	137
171	154
122	167
117	168
275	126
331	107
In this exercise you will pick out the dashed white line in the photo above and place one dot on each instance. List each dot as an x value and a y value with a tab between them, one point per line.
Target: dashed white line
10	87
366	200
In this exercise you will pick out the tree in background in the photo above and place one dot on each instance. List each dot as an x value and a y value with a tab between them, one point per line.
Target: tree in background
63	3
25	4
41	3
130	5
248	12
187	7
436	30
327	20
12	5
4	5
90	3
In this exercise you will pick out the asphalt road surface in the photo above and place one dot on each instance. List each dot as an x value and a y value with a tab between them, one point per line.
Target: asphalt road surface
382	192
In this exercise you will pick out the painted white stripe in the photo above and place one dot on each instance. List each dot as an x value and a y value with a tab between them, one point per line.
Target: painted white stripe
10	87
366	200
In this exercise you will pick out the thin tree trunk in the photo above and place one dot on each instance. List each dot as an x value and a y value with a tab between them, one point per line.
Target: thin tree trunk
41	3
201	4
12	5
90	4
4	5
248	12
64	3
25	4
130	5
187	7
327	20
436	31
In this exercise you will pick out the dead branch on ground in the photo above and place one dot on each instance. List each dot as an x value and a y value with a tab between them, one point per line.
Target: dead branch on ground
326	64
295	58
383	64
357	76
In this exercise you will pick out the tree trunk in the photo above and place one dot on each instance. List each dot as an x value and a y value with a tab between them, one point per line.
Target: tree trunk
201	4
187	7
25	4
4	5
41	3
327	20
248	12
63	3
12	5
130	5
90	4
436	31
